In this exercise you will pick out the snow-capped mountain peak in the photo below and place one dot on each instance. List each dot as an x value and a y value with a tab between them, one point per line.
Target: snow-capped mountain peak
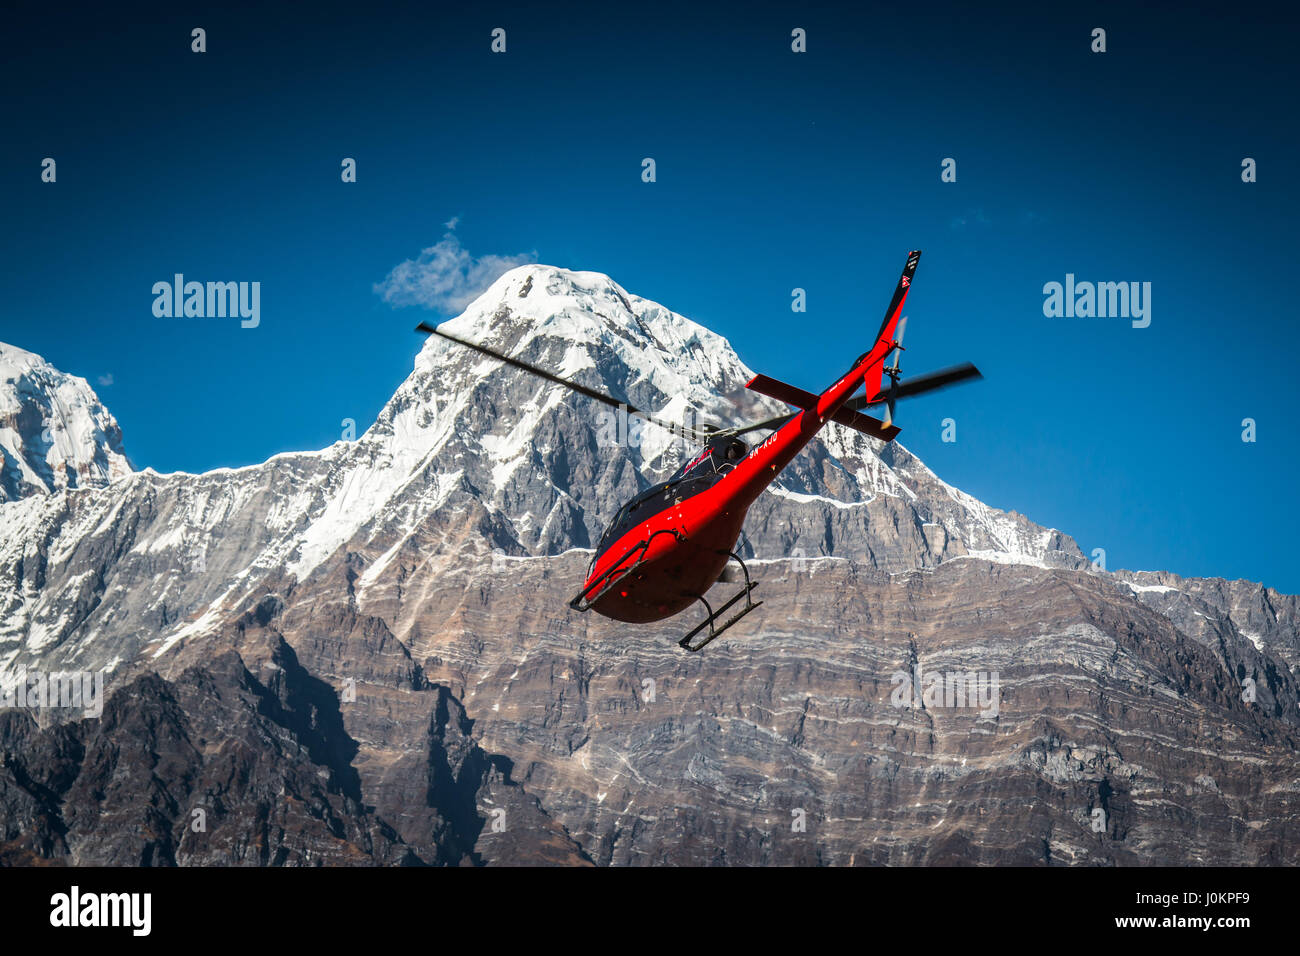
493	429
468	457
54	431
588	314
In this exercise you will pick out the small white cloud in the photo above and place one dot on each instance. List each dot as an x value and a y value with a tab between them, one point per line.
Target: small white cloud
452	223
970	217
445	276
105	379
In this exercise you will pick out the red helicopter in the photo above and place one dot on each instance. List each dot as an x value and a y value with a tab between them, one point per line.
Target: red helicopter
667	546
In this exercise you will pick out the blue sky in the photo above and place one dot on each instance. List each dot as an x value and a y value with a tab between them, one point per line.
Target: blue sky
774	171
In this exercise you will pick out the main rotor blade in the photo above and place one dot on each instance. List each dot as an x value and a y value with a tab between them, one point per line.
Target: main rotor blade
932	381
929	382
684	430
774	422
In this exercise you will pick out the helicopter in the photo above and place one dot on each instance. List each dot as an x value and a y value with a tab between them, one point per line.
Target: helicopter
672	542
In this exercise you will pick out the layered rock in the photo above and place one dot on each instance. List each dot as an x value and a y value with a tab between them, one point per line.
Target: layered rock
388	618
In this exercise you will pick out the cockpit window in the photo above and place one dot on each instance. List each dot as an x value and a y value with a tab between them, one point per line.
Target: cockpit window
715	458
698	474
626	513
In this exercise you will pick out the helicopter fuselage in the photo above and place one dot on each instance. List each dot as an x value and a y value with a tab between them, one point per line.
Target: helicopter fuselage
667	546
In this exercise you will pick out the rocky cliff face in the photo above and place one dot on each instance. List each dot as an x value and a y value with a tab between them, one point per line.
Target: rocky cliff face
223	767
379	629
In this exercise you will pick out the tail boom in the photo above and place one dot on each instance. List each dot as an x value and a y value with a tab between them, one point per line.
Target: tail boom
869	369
873	363
757	470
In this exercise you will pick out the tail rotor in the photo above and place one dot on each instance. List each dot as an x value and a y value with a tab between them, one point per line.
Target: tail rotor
893	372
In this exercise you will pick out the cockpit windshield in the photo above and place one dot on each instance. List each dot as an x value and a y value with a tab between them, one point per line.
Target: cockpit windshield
699	473
716	458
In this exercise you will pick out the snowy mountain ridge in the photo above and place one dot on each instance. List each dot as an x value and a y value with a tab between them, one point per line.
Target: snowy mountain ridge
469	457
54	431
425	566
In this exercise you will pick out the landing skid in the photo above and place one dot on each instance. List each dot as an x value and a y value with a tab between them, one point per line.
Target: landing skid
716	632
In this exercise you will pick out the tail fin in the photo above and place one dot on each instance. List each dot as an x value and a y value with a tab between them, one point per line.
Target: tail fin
875	371
832	404
798	398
